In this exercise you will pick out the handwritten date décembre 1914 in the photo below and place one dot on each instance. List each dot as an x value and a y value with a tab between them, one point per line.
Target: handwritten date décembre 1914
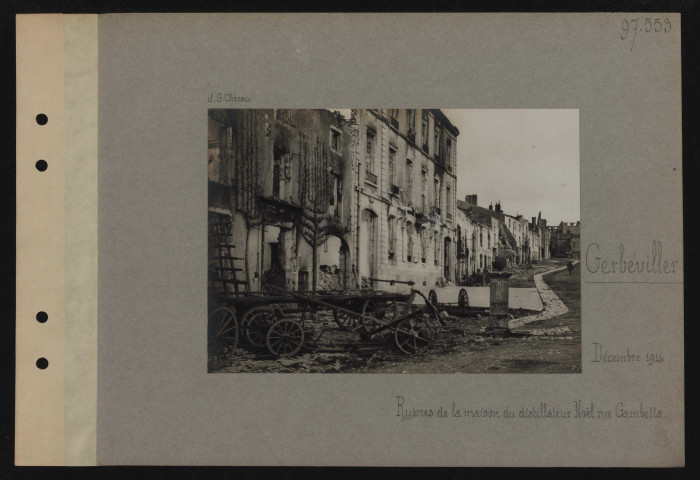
646	25
601	355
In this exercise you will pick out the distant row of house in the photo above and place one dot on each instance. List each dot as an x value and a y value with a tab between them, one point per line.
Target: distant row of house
366	198
485	233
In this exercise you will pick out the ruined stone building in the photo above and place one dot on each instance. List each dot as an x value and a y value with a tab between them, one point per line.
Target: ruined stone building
277	173
565	239
479	233
319	201
518	226
539	239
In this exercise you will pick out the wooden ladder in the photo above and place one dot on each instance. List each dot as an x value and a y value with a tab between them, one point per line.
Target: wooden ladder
226	269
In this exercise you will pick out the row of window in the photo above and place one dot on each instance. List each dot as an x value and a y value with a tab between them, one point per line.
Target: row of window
440	152
407	236
393	178
438	148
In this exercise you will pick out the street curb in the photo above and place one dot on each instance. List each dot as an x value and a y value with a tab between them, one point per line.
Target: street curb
541	279
553	306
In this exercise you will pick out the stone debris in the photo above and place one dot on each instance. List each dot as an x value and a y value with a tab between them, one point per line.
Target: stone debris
549	331
336	350
328	278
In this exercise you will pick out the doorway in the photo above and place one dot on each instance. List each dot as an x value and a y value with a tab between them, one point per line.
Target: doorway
368	243
447	256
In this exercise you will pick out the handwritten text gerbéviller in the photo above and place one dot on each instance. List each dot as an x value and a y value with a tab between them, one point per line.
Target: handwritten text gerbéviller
622	262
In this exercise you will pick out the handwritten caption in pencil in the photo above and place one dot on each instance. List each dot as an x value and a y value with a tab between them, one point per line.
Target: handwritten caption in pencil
577	410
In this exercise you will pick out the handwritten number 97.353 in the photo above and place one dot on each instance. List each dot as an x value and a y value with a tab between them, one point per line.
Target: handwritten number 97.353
650	25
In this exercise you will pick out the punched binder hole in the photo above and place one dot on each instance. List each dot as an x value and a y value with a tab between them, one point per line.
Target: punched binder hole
42	317
42	119
42	363
42	165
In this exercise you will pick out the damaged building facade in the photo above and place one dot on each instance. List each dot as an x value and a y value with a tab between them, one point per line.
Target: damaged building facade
277	174
403	169
479	235
318	201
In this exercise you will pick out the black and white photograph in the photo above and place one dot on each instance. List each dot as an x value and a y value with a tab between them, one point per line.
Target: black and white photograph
486	272
393	241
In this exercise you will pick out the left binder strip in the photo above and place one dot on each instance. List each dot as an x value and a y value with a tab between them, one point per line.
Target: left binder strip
56	284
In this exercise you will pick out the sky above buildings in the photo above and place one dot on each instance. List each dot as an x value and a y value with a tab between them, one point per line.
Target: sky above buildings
526	159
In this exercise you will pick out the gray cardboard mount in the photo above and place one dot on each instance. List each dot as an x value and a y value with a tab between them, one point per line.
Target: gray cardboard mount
156	402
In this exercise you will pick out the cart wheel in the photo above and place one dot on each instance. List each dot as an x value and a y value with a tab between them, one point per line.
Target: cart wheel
285	338
383	310
414	335
222	337
346	321
463	299
257	323
432	298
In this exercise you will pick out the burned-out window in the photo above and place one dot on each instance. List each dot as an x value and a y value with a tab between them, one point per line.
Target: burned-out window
394	118
410	121
336	140
436	141
392	237
448	201
409	180
371	140
392	165
424	130
448	154
436	251
424	192
409	248
436	192
336	195
276	178
283	115
278	172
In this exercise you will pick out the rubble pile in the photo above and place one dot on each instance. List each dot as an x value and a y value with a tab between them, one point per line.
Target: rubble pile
525	270
519	269
328	278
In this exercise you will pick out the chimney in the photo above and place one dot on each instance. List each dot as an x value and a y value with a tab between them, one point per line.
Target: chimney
498	206
490	206
471	199
534	220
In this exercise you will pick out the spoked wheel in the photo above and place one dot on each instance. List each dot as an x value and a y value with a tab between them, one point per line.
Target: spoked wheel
383	310
222	337
463	299
346	321
285	338
257	323
414	335
432	298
